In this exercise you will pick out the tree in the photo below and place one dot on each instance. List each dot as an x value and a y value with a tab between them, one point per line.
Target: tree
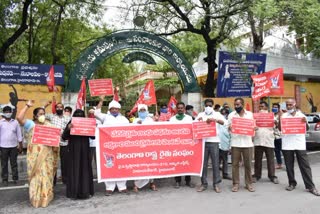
213	20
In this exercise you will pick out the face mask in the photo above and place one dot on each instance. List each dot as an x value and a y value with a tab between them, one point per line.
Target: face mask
7	115
208	110
264	111
59	112
41	119
290	111
115	114
238	109
143	115
190	112
275	110
164	110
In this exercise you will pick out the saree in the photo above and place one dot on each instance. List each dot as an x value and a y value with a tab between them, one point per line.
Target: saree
41	166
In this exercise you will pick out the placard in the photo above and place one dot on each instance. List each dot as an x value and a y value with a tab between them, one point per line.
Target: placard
242	126
204	130
83	126
100	87
264	120
46	135
293	125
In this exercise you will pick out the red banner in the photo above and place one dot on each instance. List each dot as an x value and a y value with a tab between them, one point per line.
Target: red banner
46	135
242	126
264	120
277	83
83	126
81	95
204	130
293	125
148	151
100	87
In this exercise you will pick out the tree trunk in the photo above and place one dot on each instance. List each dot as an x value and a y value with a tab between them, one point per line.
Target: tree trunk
23	27
30	37
211	58
55	35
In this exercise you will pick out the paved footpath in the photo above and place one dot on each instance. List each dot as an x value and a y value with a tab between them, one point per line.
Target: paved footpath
269	198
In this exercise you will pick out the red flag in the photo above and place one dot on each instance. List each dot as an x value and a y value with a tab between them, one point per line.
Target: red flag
115	94
50	79
82	95
277	84
147	96
172	104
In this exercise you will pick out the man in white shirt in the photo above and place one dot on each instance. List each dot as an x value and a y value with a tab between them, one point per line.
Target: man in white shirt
181	117
211	145
113	117
264	143
296	144
241	146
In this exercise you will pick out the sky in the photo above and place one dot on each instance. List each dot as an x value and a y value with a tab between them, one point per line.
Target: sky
112	15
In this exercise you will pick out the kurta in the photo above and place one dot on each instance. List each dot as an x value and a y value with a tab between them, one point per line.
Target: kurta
79	175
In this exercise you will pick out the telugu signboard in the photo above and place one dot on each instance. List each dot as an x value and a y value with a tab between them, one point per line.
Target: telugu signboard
101	87
29	74
234	73
46	135
83	126
148	151
264	120
242	126
204	130
293	125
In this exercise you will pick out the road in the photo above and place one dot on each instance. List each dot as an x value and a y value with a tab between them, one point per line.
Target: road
268	198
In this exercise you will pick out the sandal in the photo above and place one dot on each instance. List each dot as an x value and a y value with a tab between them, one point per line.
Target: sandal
153	187
314	191
250	188
135	189
235	188
108	192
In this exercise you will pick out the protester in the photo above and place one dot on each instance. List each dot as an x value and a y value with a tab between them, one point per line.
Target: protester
241	146
224	147
225	113
112	118
264	143
92	140
67	111
295	145
143	118
41	160
217	108
79	168
60	120
190	111
181	117
10	145
129	116
277	141
211	145
165	115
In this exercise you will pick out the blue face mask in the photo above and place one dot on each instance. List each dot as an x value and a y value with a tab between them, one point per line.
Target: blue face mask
114	114
164	110
275	110
143	115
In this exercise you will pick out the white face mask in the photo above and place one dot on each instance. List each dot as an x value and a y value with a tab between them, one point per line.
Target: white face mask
41	119
7	115
264	111
208	110
290	111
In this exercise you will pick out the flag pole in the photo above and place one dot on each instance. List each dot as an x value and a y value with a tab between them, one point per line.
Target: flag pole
156	110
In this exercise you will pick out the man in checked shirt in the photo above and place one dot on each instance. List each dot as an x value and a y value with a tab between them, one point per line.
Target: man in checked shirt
60	120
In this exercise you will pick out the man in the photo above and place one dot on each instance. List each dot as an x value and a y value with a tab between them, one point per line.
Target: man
264	143
295	144
277	141
241	145
181	117
68	111
60	120
190	112
224	146
10	136
211	146
113	117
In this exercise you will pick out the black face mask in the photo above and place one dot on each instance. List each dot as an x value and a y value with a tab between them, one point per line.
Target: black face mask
238	109
59	112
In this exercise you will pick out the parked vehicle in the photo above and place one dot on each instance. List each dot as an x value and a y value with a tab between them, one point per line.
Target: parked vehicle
313	134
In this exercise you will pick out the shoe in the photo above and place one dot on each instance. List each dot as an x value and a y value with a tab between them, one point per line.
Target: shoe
5	183
189	184
153	187
108	193
202	188
275	180
290	187
278	166
255	179
125	191
217	188
314	191
178	185
250	188
227	177
235	188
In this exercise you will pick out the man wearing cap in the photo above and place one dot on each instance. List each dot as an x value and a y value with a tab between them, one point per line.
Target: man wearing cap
10	136
111	118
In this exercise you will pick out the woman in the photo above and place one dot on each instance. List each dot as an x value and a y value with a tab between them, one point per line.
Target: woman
41	160
79	175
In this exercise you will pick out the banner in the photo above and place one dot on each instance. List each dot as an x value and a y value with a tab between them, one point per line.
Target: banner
234	71
204	130
100	87
83	126
156	150
293	125
264	120
147	96
46	135
242	126
29	74
81	100
277	83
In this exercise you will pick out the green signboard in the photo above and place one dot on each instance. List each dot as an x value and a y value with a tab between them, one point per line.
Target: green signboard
113	43
139	56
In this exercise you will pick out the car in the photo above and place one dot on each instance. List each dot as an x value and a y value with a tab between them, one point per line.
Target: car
313	133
